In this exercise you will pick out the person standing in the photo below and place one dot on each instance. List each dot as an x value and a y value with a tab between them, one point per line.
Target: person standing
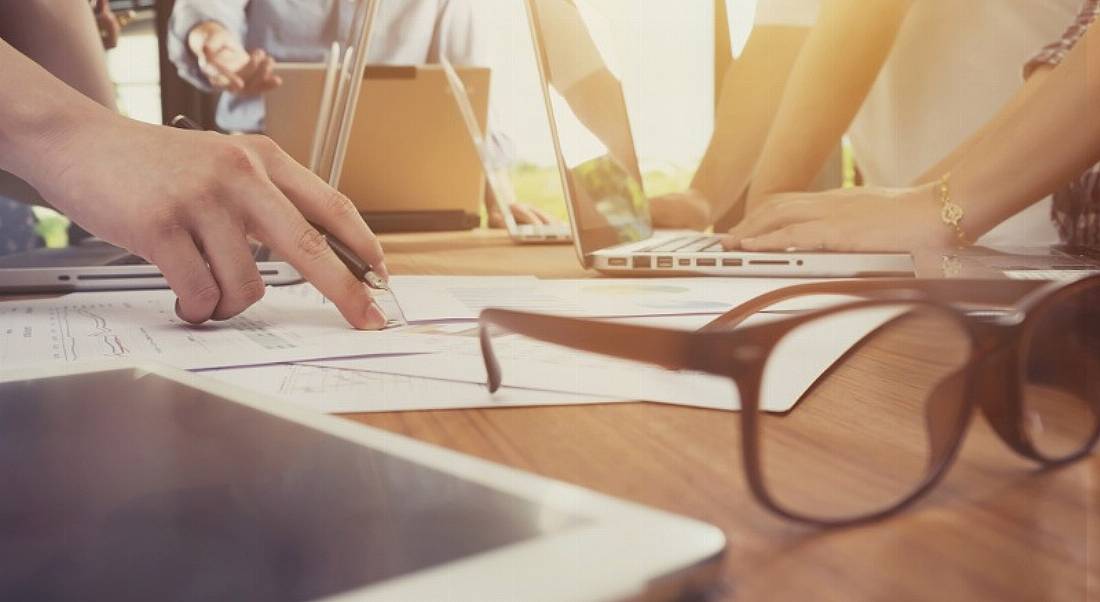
906	81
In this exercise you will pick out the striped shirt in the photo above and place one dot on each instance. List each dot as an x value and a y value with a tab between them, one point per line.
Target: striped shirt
1076	208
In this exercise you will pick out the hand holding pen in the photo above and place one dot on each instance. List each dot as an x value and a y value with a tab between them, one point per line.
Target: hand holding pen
250	187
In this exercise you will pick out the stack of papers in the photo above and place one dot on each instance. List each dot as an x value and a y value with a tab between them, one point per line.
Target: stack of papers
295	345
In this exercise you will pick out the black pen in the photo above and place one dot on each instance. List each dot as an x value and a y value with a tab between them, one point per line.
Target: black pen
359	268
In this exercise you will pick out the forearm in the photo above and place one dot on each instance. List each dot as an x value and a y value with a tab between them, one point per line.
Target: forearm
596	100
746	109
1051	138
37	117
61	36
832	76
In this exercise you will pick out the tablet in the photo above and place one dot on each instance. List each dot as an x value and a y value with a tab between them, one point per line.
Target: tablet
142	482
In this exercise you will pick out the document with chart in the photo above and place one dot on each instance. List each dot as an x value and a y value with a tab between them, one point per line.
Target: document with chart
290	324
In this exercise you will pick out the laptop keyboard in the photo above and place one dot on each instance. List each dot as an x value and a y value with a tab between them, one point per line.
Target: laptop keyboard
687	244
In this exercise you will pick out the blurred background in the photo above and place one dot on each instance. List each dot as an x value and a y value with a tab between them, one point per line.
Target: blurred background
666	52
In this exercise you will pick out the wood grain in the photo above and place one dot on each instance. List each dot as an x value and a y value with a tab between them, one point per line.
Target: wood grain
994	529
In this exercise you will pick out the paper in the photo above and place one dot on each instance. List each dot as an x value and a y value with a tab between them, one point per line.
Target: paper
438	298
338	391
532	365
799	360
428	298
290	324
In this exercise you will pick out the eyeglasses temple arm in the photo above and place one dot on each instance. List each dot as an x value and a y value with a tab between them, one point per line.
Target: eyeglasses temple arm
668	348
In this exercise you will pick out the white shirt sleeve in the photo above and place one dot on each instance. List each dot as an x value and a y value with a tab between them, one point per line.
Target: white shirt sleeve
792	13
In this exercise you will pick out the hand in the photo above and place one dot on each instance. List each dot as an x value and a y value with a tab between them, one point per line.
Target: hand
109	26
227	65
851	219
523	214
189	201
688	210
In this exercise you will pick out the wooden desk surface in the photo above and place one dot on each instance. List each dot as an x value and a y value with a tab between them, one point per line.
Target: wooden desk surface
994	529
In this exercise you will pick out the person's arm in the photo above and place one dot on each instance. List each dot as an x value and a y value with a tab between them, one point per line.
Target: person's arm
1035	72
839	63
61	36
576	68
56	35
186	201
1050	137
1007	113
746	109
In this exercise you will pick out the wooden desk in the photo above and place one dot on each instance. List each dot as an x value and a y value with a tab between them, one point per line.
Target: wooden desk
994	529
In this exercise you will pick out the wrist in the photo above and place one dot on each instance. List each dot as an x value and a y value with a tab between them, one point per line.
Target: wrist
68	142
928	201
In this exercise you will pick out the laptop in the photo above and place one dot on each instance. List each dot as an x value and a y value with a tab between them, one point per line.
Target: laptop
408	165
94	265
1059	262
497	176
597	160
140	482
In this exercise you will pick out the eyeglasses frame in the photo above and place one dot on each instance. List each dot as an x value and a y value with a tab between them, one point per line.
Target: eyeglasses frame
997	346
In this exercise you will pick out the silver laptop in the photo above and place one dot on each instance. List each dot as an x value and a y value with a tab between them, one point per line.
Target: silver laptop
95	265
608	207
137	482
496	176
1018	263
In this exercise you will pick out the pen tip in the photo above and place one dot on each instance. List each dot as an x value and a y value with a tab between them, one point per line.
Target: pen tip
375	281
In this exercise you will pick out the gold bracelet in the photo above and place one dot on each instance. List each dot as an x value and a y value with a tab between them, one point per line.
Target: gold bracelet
951	213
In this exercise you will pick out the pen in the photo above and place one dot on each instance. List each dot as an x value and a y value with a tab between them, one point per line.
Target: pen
359	268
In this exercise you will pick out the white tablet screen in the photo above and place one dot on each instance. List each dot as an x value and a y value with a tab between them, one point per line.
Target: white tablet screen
120	486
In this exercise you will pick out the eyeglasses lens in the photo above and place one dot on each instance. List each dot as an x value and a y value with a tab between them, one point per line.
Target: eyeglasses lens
1061	375
883	417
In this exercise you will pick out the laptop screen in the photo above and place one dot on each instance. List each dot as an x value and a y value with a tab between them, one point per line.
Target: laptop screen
591	125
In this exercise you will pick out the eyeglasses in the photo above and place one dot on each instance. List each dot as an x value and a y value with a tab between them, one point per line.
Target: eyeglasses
882	424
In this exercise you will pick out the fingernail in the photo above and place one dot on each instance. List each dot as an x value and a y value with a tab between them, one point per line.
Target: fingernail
382	271
376	318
